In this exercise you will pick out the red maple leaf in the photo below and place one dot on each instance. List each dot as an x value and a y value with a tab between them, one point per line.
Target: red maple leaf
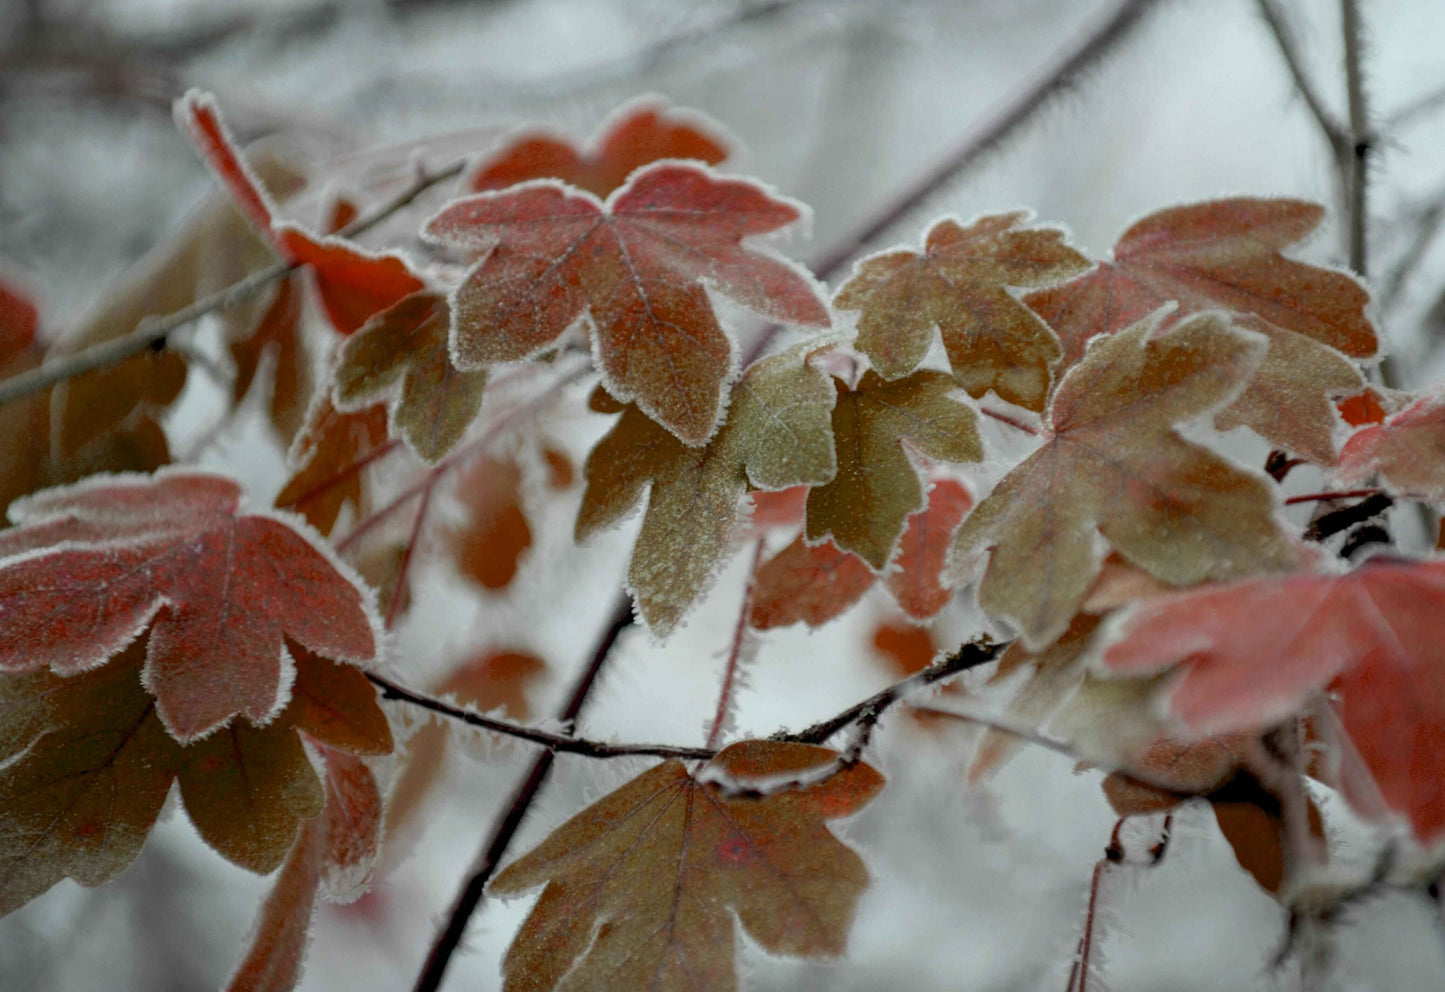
1252	652
641	133
91	566
640	266
352	284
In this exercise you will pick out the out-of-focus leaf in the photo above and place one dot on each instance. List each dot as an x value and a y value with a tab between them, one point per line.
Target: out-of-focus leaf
1407	449
642	133
959	284
489	547
327	458
605	921
640	267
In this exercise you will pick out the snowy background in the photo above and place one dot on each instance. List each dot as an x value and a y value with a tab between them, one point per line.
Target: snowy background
840	103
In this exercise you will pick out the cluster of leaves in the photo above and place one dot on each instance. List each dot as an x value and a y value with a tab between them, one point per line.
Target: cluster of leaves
153	631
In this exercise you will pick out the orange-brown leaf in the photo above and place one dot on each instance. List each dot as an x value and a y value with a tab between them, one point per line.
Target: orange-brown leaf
644	133
919	561
400	358
960	284
490	546
642	887
278	335
908	647
327	459
807	583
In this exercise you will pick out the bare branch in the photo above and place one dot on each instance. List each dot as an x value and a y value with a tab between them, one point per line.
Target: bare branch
152	333
1422	106
1334	130
495	848
565	743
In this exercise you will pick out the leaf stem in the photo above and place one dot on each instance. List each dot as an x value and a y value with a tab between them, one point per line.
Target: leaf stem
464	451
153	332
495	848
740	633
1013	422
1318	497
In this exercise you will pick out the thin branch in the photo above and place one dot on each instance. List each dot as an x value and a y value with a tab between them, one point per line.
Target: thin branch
971	655
1427	225
1422	106
1334	130
153	332
398	588
457	457
1057	75
563	743
1359	135
495	848
1329	524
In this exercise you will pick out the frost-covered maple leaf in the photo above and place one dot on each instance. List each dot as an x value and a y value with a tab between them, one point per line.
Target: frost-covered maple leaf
960	284
776	436
639	267
1113	466
642	887
1251	653
865	507
89	567
1227	254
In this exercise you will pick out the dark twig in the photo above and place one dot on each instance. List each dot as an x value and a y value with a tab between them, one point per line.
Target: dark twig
495	848
1333	522
1422	106
152	333
971	655
1334	130
563	743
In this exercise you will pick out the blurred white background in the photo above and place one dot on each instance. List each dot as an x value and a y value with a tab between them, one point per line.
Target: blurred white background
842	104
